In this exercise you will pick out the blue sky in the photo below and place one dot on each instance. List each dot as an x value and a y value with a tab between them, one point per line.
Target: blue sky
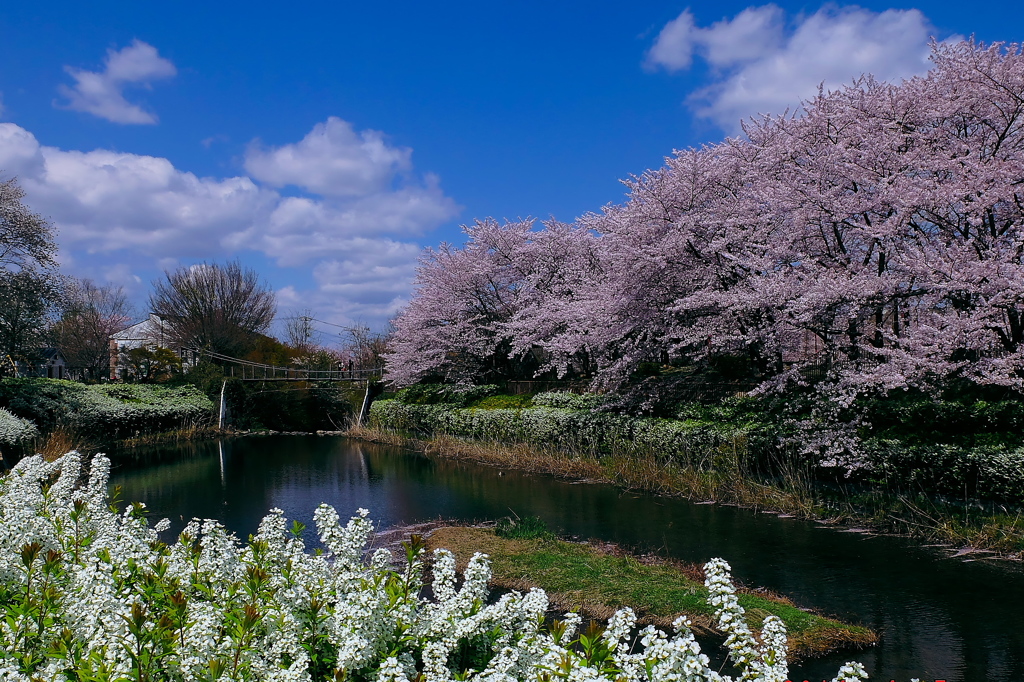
325	144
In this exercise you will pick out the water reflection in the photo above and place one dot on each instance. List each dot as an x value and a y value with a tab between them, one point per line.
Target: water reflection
939	618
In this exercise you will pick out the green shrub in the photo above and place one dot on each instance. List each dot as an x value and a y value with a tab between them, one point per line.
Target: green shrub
920	419
503	402
444	394
105	411
701	445
46	402
910	444
984	471
571	401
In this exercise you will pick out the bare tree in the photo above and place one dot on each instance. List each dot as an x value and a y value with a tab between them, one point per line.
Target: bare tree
218	307
28	300
90	314
366	348
299	331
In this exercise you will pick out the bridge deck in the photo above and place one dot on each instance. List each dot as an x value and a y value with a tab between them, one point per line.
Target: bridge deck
247	370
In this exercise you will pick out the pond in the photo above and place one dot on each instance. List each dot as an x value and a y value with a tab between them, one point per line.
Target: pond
939	617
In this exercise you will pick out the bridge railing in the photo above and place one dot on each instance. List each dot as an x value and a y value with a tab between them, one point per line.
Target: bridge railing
247	370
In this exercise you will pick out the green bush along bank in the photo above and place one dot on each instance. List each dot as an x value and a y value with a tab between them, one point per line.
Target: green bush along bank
702	445
105	412
961	450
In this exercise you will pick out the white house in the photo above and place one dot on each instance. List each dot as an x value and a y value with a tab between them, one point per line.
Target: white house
150	333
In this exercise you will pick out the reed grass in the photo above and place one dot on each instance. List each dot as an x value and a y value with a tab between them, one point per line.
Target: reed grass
999	531
61	440
65	438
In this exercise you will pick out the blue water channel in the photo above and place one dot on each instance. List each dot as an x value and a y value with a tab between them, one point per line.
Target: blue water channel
939	617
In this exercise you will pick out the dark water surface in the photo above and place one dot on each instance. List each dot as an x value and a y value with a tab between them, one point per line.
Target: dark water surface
939	618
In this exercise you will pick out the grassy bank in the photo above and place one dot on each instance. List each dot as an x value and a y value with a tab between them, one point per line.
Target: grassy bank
597	582
921	516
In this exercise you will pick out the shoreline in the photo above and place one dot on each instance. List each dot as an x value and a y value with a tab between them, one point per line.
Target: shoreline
984	541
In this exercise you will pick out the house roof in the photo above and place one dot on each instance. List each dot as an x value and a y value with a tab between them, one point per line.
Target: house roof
149	330
52	354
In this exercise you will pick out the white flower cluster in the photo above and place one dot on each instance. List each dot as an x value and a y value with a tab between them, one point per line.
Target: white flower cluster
14	430
91	593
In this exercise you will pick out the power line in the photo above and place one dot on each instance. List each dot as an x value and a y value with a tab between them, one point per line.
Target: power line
330	324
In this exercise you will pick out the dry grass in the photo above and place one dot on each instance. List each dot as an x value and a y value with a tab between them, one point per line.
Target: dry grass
188	433
64	439
1002	533
643	472
61	440
382	436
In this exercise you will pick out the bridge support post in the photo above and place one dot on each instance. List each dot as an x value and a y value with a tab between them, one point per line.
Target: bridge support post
366	404
223	407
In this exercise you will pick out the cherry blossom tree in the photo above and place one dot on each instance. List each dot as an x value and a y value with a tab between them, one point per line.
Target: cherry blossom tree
454	326
466	320
874	237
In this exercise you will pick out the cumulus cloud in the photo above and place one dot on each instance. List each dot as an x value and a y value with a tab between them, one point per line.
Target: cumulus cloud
118	208
370	282
300	229
332	160
673	50
760	63
105	201
100	93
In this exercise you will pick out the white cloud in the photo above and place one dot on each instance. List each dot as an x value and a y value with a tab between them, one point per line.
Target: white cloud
105	201
332	160
761	65
370	282
117	210
300	229
751	34
101	92
673	49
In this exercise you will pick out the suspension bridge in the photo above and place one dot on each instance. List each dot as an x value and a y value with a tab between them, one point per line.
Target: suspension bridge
247	370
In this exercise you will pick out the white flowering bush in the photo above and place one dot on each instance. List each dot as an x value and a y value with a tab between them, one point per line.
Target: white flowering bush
459	395
15	430
91	593
983	471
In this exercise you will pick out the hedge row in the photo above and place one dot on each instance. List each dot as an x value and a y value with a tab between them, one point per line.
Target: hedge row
105	411
984	471
701	445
